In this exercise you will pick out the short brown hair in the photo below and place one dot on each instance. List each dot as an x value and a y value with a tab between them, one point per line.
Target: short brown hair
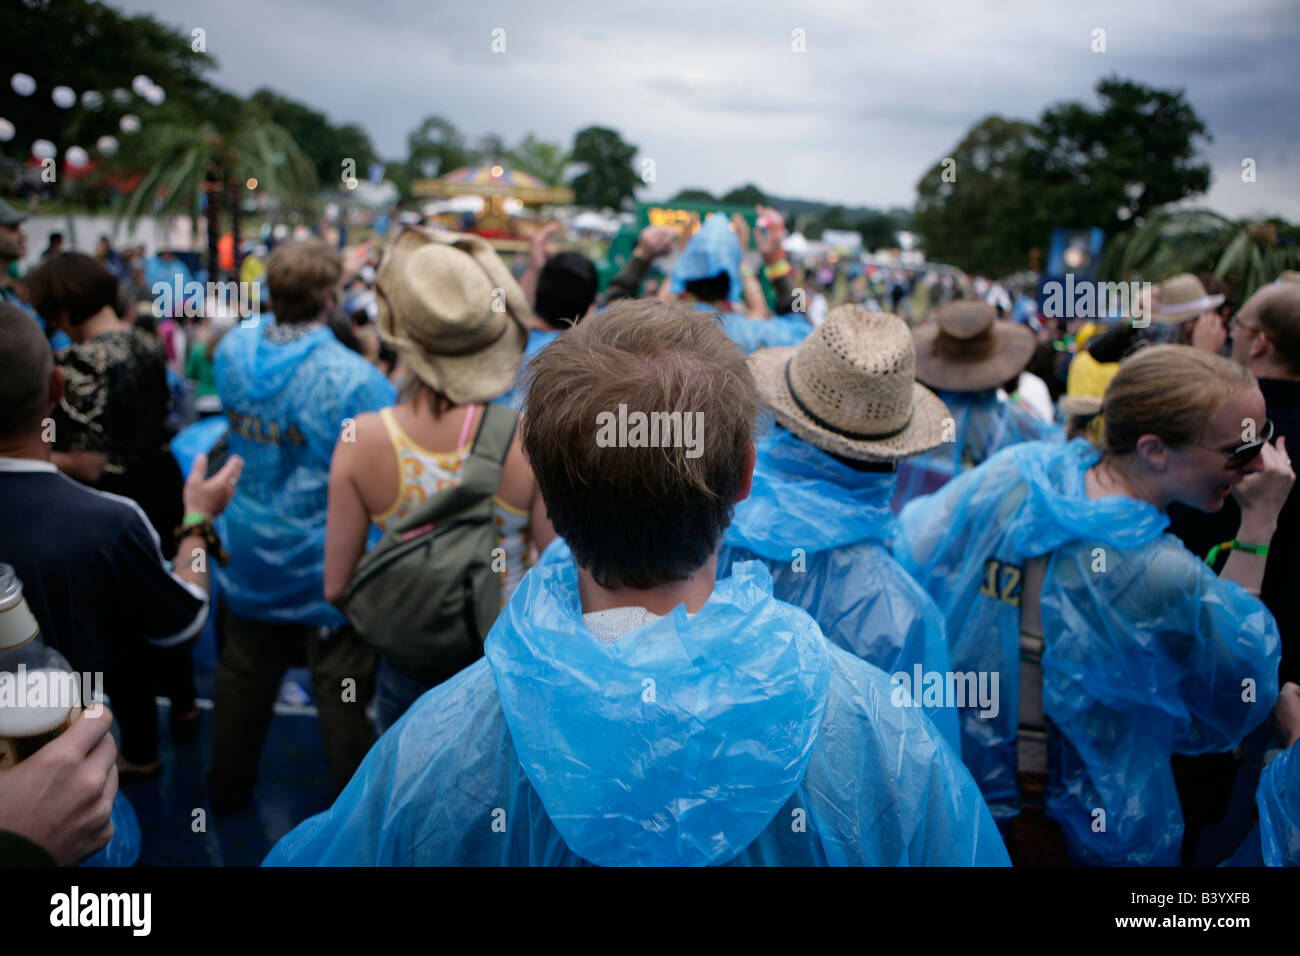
26	362
299	275
74	283
1279	317
1171	391
640	517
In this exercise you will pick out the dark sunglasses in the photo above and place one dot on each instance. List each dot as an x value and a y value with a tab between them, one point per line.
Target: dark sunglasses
1243	454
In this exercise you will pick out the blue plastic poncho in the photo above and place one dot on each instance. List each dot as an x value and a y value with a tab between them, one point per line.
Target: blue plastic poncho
1278	799
821	527
1147	653
983	425
712	250
286	404
124	848
538	339
754	334
736	735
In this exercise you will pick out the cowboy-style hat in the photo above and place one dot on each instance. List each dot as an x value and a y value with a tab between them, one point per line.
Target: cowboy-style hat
850	388
968	349
1182	298
452	310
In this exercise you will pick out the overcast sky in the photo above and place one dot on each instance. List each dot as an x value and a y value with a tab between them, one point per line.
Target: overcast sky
713	92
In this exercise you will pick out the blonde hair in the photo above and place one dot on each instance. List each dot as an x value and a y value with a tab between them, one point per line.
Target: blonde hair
1171	391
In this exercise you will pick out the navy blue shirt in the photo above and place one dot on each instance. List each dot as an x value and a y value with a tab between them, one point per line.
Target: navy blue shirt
91	568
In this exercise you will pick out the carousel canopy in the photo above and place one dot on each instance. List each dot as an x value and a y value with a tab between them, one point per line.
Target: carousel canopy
492	179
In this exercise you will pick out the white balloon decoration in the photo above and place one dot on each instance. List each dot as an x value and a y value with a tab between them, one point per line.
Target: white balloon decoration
121	97
44	149
130	123
64	97
6	131
106	145
23	84
155	95
141	84
76	157
92	99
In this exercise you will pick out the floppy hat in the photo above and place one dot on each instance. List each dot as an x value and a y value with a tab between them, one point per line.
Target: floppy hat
438	296
1181	298
968	349
1086	405
850	388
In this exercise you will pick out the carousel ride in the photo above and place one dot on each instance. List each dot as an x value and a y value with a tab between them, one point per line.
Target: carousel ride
489	201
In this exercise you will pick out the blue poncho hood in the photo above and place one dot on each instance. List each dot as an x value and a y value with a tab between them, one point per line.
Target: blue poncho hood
270	365
712	250
655	704
804	498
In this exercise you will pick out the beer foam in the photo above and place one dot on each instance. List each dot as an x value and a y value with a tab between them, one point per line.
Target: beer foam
60	692
30	721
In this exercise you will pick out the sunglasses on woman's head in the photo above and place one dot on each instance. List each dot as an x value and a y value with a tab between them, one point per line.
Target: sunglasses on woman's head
1245	453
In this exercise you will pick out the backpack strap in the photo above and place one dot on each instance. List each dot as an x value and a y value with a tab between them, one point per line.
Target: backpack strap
1031	735
496	432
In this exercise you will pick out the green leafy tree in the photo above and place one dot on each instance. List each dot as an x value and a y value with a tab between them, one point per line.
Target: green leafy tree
974	208
693	195
435	148
748	195
1113	166
546	161
327	145
878	230
609	178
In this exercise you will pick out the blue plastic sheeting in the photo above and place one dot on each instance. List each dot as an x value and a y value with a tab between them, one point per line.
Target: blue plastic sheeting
1278	799
821	529
287	404
736	735
754	334
712	250
197	439
124	848
1147	652
538	339
982	426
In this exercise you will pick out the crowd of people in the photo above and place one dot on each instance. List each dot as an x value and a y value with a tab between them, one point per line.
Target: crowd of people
758	564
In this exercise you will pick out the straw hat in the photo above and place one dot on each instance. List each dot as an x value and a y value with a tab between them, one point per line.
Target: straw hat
968	349
1083	405
850	388
1182	298
436	294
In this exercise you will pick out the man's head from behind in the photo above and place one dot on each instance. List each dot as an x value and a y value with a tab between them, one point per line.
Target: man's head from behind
26	374
639	425
303	279
1266	332
566	289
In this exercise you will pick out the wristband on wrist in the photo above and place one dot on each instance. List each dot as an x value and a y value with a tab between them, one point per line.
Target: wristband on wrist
193	518
1235	545
205	530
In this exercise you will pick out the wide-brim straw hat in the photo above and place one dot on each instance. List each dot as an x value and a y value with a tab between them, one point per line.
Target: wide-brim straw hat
850	388
968	349
451	309
1080	405
1181	298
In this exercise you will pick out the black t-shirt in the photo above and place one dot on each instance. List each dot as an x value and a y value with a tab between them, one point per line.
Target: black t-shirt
1281	589
91	568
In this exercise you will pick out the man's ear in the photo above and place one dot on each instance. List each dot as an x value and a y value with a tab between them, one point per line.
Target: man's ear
1152	450
747	478
1261	347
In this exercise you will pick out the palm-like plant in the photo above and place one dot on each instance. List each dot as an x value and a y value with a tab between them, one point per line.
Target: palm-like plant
183	161
1244	253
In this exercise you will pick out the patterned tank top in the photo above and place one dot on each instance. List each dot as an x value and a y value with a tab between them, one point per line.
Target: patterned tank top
422	472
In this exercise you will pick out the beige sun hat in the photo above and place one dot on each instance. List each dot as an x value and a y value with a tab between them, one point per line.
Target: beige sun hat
1081	405
1181	298
969	349
850	388
452	310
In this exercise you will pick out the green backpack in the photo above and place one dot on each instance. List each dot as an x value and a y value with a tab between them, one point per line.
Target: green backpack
426	595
